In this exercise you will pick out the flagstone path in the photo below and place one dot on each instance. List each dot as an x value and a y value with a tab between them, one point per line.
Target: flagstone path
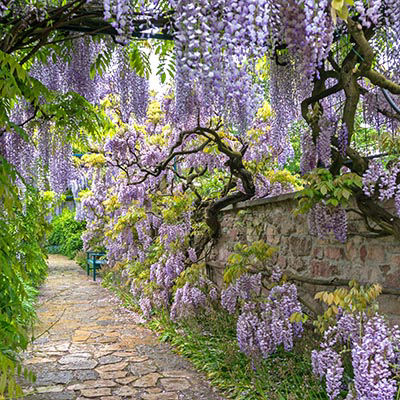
97	350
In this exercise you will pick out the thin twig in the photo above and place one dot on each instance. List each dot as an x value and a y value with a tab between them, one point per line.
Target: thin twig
51	326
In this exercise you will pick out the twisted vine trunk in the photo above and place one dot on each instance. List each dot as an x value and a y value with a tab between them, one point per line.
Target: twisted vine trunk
357	64
215	207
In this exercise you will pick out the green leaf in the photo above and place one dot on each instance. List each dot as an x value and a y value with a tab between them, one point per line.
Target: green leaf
324	190
343	12
334	202
337	4
346	193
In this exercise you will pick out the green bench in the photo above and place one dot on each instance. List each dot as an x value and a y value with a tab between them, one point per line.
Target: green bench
94	262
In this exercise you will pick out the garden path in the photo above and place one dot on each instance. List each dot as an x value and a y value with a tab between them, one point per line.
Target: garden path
98	350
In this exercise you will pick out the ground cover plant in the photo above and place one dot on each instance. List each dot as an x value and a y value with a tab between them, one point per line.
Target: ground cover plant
160	170
210	343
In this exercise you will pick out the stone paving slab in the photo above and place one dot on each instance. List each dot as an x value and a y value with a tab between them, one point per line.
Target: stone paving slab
92	348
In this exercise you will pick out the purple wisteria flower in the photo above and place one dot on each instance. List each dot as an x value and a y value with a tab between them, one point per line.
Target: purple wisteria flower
382	182
324	219
371	359
187	300
263	325
373	349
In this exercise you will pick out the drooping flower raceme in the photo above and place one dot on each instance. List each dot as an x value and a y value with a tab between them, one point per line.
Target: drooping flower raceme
373	351
187	300
324	219
263	323
382	182
372	357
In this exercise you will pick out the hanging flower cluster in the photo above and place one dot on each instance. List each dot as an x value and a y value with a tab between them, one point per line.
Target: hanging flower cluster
373	350
382	182
323	219
263	323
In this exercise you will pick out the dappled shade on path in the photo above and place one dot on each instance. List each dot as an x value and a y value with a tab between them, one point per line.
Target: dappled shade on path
97	350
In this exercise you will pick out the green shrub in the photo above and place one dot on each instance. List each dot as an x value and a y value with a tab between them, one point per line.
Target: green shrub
81	259
66	234
72	245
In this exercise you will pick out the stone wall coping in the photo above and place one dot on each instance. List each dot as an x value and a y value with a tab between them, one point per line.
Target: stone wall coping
388	204
261	202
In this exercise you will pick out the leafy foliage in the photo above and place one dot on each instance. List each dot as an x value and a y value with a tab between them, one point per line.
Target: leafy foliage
74	119
247	258
323	186
166	66
66	233
23	267
356	298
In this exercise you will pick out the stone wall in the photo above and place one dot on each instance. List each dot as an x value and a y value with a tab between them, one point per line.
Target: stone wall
368	260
